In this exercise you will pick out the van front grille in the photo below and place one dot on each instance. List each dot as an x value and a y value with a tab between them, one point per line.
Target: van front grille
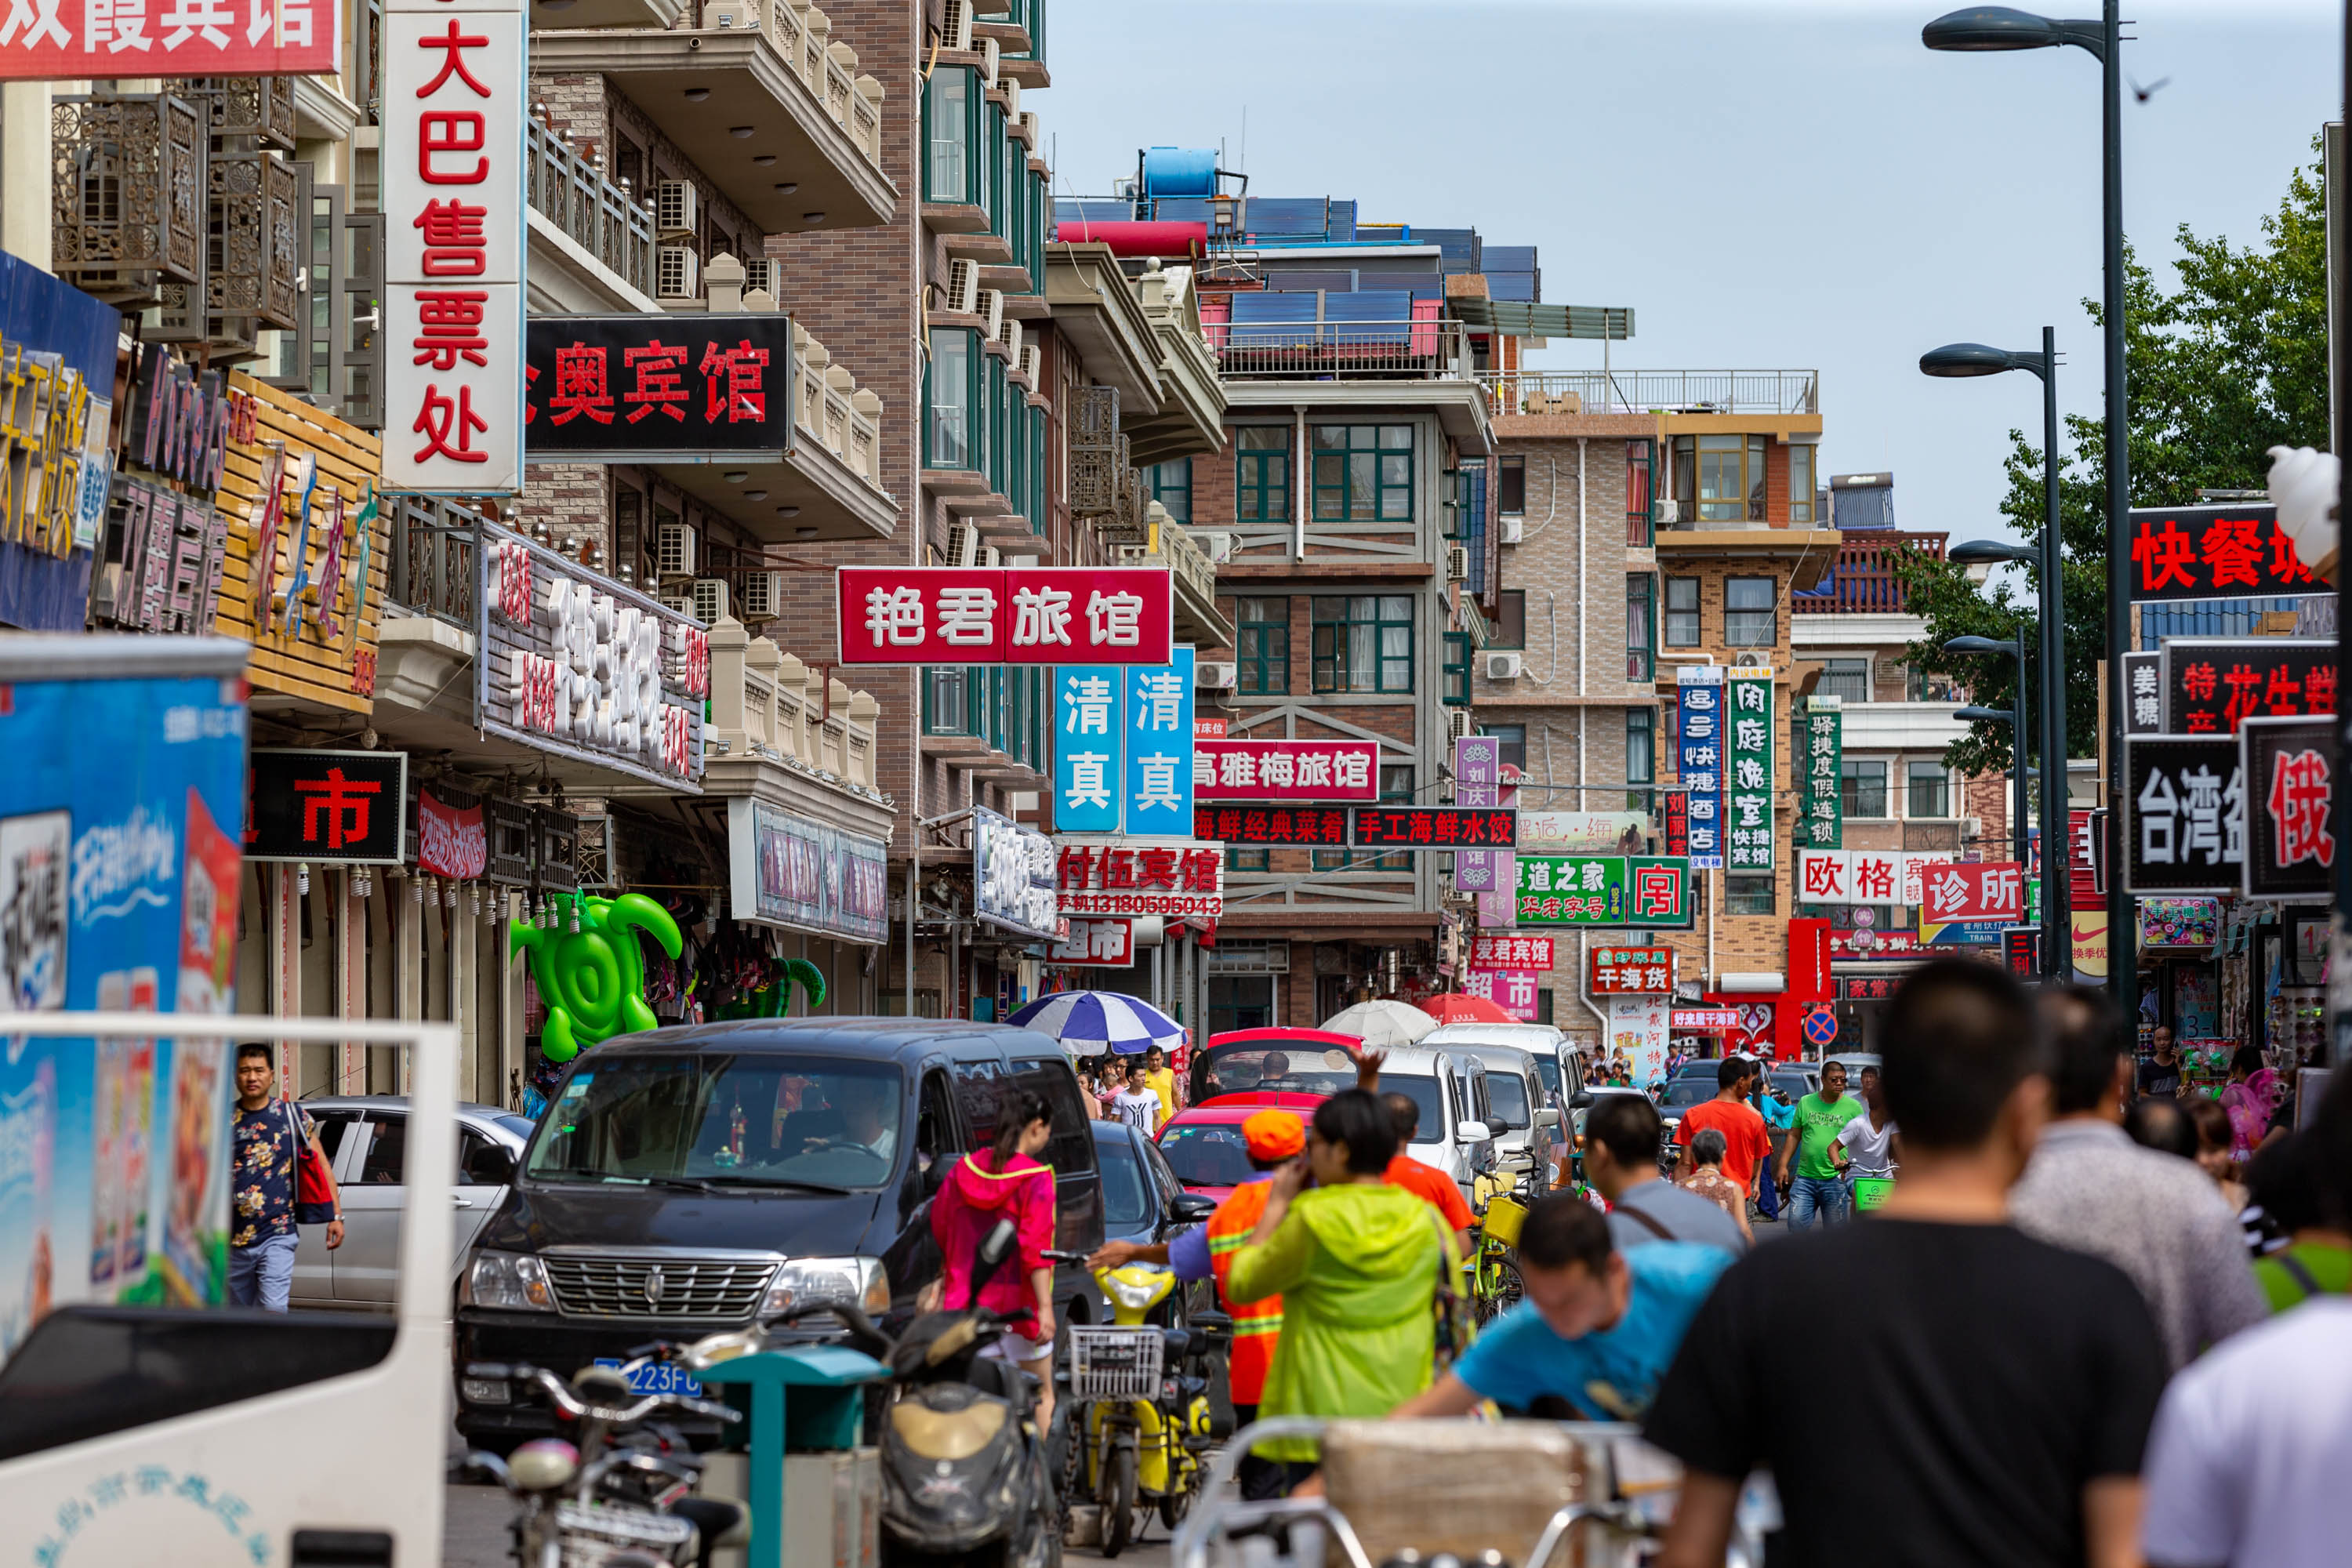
704	1290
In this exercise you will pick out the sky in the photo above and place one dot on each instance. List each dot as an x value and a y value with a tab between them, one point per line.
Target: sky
1778	183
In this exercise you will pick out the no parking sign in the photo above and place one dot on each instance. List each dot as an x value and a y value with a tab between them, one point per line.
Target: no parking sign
1821	1027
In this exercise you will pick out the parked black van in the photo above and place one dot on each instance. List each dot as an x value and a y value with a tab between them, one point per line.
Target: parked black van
687	1180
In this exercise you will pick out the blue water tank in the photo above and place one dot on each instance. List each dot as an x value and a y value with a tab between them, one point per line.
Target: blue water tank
1180	171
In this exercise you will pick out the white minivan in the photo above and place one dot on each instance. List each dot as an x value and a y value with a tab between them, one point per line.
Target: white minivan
1526	1097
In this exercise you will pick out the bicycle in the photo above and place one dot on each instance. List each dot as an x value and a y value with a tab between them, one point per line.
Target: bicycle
1494	1263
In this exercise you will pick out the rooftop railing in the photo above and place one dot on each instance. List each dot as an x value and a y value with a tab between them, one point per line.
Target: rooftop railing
1652	391
1865	579
1339	351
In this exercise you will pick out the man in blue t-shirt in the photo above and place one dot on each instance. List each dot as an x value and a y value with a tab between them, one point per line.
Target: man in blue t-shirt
1598	1329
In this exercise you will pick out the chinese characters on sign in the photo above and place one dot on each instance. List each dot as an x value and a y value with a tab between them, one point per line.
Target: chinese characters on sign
1098	944
1819	761
1177	879
1701	716
2214	553
348	808
2210	684
1992	891
1436	826
1089	750
1158	794
452	194
1515	991
617	388
1603	891
56	40
1286	771
2187	823
2143	692
2290	765
1528	953
1747	775
1863	876
1013	877
1675	820
805	876
451	840
1020	615
1319	827
1484	873
1631	971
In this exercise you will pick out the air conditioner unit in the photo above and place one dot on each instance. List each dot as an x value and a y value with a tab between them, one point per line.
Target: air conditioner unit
1457	723
677	206
725	15
1011	100
955	26
1670	512
1514	531
988	56
679	603
1972	827
1033	366
763	272
678	273
1457	564
763	595
1211	677
964	544
674	550
991	311
963	286
991	557
1013	339
710	600
1505	666
1217	546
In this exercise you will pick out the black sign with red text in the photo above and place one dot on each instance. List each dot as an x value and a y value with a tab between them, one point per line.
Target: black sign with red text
1321	828
2214	553
624	388
343	808
2290	769
2210	684
1437	828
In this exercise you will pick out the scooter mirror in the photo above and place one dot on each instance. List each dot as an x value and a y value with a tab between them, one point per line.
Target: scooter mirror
997	1244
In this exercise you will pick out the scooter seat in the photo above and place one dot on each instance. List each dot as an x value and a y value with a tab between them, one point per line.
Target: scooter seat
1175	1344
722	1522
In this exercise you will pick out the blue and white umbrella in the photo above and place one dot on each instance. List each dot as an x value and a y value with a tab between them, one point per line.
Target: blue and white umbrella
1090	1022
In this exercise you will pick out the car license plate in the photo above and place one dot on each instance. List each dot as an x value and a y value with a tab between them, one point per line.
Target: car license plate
658	1377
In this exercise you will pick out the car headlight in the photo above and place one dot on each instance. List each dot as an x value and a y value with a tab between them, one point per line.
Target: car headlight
860	1282
1135	1293
509	1281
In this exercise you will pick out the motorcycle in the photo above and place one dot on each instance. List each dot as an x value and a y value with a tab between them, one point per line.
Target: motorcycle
620	1493
1140	1404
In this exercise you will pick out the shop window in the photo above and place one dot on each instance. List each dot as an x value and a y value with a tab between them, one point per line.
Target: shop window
1363	642
1862	787
1262	474
1682	611
1262	628
1363	473
1929	790
1748	894
1751	611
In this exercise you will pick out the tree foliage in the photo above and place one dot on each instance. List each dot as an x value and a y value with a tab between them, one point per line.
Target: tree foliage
2231	364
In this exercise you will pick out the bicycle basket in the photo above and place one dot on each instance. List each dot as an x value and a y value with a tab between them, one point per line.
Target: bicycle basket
1113	1361
590	1535
1504	1215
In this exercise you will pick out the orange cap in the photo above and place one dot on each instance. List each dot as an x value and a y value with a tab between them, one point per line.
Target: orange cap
1273	1135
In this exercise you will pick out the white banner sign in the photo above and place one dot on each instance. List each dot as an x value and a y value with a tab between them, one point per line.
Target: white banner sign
1864	876
452	161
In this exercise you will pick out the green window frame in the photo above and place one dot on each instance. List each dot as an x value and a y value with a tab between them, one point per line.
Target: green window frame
1172	487
1927	790
1262	638
1363	642
1262	473
1641	756
951	100
1241	858
1453	686
1641	627
1363	473
1750	893
954	410
1396	789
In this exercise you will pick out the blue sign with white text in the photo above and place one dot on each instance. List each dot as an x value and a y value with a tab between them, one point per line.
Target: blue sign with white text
1700	712
1089	756
1159	794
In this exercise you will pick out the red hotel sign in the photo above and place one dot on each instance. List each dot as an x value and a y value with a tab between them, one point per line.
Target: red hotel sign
1286	771
1631	971
44	40
1993	891
988	614
1510	952
1173	880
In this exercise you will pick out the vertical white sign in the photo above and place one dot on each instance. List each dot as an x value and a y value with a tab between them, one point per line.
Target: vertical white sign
454	94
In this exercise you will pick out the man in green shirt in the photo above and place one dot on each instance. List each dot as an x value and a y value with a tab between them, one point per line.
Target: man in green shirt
1818	1190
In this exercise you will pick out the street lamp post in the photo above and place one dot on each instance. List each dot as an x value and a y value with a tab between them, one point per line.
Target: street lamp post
1972	359
2015	649
1998	27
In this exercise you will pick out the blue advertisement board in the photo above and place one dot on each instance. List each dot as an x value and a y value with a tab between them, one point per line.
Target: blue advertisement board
1159	794
1700	712
1089	753
74	336
119	817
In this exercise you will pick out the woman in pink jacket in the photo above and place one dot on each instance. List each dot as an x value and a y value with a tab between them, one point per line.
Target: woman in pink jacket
1006	1182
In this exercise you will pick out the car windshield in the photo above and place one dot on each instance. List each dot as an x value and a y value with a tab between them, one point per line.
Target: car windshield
520	1126
1424	1093
1127	1198
1206	1153
1684	1092
752	1120
1297	1069
1507	1094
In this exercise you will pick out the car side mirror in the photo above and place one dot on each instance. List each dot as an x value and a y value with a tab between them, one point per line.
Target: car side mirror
1496	1126
1548	1118
1191	1208
1472	1133
1580	1100
489	1165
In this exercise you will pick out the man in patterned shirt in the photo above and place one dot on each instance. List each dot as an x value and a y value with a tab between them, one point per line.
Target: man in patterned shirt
262	1238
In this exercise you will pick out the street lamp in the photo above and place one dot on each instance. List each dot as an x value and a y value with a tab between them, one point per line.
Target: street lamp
1999	27
2015	649
1973	360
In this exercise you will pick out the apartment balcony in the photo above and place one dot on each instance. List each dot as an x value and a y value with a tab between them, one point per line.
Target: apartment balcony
1019	28
758	98
580	15
1578	392
592	238
1865	577
783	730
1403	350
1167	545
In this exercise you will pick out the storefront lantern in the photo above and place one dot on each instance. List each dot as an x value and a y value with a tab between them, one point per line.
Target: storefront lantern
592	977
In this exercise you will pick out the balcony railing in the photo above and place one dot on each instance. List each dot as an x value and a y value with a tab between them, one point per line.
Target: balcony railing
1419	351
766	703
433	545
1864	581
605	218
1170	545
804	34
1649	391
844	418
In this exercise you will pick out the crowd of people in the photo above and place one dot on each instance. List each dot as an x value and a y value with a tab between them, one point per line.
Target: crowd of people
2049	1343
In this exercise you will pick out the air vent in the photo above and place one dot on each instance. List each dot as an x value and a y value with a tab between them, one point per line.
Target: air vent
1457	724
674	550
989	557
1033	366
1457	564
1011	100
763	595
763	272
729	16
1012	338
1213	677
678	604
710	600
678	207
1514	531
678	273
964	287
1670	512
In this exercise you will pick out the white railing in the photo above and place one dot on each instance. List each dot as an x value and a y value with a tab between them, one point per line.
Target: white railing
802	34
766	703
1165	544
845	418
1645	391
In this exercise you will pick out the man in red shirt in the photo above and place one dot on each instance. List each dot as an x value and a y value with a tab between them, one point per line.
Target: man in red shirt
1420	1178
1747	1144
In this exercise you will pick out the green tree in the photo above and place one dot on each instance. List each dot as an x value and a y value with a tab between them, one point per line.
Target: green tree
2229	366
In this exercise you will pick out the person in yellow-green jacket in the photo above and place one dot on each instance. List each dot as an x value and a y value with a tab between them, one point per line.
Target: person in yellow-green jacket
1356	1263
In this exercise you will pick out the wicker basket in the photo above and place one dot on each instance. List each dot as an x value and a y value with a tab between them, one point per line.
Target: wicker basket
1450	1486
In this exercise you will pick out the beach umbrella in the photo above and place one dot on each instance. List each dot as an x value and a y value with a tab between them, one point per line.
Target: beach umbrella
1096	1023
1455	1007
1382	1024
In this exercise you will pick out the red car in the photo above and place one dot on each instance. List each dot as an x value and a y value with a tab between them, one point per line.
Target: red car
1202	1144
1295	1069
